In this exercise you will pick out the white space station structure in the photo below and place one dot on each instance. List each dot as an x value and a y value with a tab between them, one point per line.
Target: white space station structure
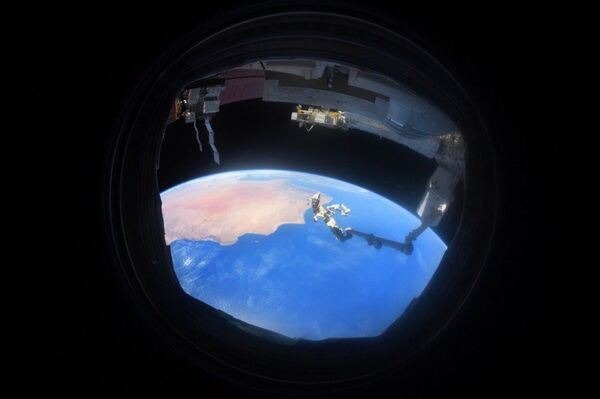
346	98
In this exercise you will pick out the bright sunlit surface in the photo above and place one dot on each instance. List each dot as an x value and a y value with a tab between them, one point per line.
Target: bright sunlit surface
246	243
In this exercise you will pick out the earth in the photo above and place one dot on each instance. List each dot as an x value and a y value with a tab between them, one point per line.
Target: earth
245	243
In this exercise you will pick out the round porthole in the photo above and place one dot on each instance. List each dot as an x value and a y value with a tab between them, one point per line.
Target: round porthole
280	258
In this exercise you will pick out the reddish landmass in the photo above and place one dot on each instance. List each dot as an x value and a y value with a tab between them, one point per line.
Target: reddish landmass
224	209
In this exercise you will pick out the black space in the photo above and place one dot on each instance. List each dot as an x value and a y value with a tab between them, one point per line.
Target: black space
526	328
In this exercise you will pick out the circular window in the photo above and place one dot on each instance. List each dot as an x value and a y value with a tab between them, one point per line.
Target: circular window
273	261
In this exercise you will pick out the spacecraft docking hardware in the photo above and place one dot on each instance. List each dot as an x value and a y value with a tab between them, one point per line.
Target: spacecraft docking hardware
326	213
346	98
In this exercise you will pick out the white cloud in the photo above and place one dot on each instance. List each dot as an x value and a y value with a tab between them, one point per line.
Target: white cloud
329	246
238	266
268	261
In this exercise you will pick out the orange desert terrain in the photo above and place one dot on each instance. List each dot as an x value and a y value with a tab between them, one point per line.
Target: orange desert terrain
224	210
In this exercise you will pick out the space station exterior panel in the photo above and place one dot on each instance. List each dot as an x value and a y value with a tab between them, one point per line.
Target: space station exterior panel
426	146
213	91
193	96
451	154
308	69
324	98
244	73
211	102
302	67
210	107
242	89
397	113
430	202
406	108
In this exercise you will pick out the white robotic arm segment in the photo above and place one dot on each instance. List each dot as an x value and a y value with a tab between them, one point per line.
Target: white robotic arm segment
341	208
